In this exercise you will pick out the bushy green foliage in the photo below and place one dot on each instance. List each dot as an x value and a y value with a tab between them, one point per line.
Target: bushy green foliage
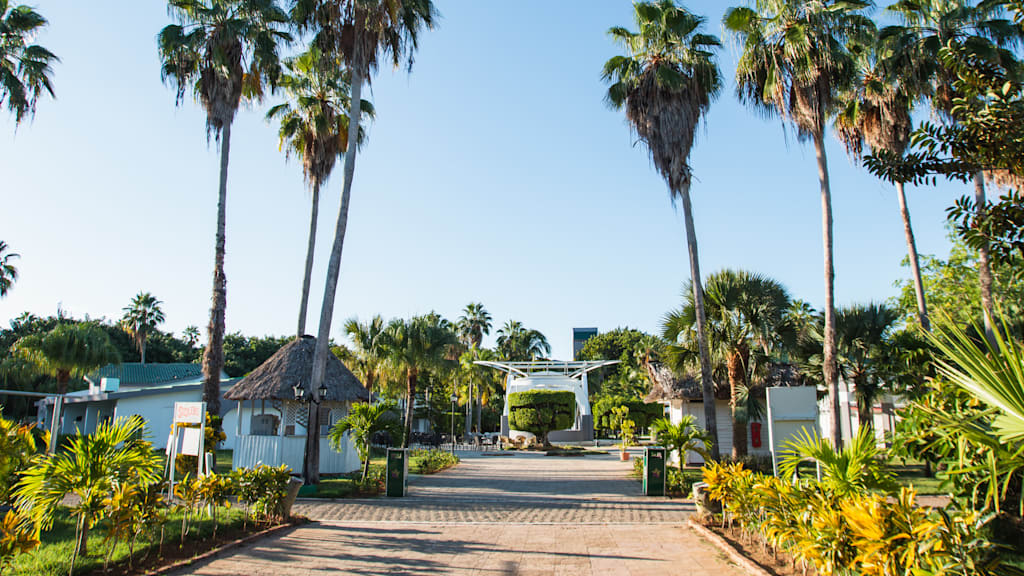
641	413
243	354
262	489
17	447
541	411
431	461
627	379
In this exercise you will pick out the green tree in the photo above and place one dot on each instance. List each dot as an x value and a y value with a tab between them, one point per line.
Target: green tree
191	335
745	315
140	318
243	354
541	412
682	437
362	422
864	350
223	51
360	33
25	68
795	60
484	383
68	351
314	128
518	344
633	349
368	342
91	467
8	273
666	82
415	346
17	448
472	326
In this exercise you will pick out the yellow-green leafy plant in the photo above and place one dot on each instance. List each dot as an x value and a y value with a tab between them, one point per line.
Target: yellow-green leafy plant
90	468
188	497
17	536
682	437
120	517
858	467
17	448
215	490
885	533
262	490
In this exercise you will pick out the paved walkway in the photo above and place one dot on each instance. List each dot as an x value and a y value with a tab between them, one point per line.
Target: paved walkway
527	515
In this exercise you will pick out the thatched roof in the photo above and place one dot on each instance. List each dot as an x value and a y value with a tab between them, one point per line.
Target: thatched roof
291	365
665	385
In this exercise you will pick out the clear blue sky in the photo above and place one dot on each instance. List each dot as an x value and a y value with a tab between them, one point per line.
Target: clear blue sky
493	173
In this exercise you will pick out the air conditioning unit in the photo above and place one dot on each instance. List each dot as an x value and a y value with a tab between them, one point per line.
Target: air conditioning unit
110	384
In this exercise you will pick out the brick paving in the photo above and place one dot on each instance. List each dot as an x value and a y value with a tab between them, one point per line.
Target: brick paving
526	515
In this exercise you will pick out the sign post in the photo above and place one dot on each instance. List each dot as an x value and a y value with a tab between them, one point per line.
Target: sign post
191	439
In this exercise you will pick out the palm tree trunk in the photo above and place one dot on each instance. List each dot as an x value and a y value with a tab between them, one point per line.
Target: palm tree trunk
830	368
915	265
310	249
469	409
865	404
142	351
737	377
410	391
477	407
213	357
984	262
323	337
707	384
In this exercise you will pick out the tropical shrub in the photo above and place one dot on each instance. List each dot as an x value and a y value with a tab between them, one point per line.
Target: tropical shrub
641	413
17	447
430	461
541	411
363	421
17	536
263	490
682	437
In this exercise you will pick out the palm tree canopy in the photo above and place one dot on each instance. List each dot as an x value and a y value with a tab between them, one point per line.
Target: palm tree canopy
422	343
69	350
387	29
363	421
796	56
222	51
25	68
142	316
516	343
474	324
8	273
666	81
314	120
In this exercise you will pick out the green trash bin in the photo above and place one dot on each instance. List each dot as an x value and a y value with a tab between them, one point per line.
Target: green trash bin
397	482
654	471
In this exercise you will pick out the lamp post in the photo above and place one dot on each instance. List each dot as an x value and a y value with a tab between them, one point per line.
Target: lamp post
300	396
453	399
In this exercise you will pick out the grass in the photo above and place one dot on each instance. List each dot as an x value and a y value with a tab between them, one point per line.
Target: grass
913	475
53	556
347	486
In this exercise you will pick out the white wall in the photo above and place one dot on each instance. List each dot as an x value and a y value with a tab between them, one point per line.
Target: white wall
723	418
157	410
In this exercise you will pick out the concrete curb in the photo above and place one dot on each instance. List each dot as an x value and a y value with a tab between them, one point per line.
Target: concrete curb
170	568
742	561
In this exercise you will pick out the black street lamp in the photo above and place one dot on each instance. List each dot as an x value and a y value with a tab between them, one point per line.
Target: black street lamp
453	399
300	396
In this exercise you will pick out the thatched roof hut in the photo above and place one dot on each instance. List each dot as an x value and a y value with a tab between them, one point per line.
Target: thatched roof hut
291	365
666	386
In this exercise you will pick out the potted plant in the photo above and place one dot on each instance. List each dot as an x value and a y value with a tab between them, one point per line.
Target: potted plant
627	432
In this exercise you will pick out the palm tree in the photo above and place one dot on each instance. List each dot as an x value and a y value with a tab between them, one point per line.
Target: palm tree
68	351
362	422
314	127
191	335
863	350
360	33
24	68
140	318
222	51
8	273
414	346
876	110
484	383
517	344
368	341
928	27
745	313
472	326
682	437
794	61
666	82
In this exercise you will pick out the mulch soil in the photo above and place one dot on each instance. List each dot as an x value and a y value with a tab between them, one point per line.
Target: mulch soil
779	565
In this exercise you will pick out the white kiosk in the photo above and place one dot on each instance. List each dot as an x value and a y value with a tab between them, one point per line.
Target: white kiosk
551	375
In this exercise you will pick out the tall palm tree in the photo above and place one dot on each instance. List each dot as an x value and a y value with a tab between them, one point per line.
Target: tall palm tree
25	68
361	33
8	273
191	335
414	346
222	51
666	82
368	341
517	344
68	351
314	127
745	314
794	62
863	348
472	326
876	110
362	422
928	27
140	318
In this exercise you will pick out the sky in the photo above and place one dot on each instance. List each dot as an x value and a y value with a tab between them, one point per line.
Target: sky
493	173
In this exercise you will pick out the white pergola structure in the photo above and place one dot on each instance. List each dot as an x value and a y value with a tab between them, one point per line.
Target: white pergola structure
551	375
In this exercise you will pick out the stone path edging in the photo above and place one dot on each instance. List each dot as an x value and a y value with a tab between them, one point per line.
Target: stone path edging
742	561
170	568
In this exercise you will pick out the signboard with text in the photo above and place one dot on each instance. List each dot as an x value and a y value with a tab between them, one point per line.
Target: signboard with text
188	412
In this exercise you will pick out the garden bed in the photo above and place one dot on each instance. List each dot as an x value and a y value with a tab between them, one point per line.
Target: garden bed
350	485
776	565
53	556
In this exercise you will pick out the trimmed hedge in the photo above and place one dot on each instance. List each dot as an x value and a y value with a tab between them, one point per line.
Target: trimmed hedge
541	411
